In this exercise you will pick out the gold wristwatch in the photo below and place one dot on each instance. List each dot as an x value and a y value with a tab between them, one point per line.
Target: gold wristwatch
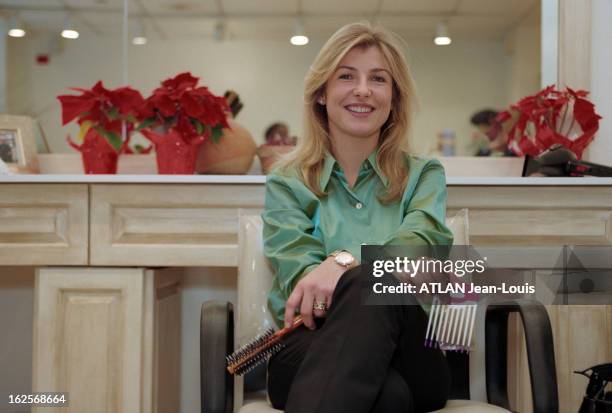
343	258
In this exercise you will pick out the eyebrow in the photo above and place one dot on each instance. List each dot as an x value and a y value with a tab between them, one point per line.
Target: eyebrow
378	69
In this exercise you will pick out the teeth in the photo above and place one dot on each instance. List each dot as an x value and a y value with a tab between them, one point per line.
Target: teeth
359	109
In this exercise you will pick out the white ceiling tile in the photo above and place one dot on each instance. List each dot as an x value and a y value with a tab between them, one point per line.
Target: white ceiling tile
273	19
419	6
510	9
340	7
188	7
28	3
92	4
260	7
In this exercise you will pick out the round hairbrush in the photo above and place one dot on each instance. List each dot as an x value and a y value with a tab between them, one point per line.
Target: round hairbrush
259	349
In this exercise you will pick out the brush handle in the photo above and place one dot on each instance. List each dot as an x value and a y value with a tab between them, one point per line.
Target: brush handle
297	321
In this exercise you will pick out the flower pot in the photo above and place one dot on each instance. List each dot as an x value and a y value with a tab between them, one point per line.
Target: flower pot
174	154
233	154
99	157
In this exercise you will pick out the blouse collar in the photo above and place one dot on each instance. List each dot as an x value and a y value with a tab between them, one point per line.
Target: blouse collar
330	163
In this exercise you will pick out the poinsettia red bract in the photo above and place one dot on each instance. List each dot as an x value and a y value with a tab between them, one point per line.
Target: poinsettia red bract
181	105
107	110
549	117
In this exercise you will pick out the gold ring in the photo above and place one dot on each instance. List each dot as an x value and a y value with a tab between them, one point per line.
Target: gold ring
319	305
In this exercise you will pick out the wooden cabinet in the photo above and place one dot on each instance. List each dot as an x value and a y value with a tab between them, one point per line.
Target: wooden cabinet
43	224
169	225
95	338
547	215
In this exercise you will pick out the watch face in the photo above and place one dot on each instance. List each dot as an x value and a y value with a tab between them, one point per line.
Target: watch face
344	258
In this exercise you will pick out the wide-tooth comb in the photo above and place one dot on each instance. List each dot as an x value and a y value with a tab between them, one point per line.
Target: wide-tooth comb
450	327
258	349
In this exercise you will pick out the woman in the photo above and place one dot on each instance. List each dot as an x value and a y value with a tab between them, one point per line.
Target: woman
352	182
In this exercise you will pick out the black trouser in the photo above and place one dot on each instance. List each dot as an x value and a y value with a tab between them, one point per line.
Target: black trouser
360	359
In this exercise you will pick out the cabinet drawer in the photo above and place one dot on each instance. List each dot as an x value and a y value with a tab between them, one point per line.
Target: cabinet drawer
169	225
547	215
43	224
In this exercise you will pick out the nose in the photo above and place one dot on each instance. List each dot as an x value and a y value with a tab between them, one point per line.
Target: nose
362	88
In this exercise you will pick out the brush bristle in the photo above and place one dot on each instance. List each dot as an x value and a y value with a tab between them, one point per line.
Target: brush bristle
253	353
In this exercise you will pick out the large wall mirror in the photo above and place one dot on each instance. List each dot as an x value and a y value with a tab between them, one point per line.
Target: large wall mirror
495	57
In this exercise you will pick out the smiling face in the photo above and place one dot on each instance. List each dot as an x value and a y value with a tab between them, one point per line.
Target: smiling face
358	94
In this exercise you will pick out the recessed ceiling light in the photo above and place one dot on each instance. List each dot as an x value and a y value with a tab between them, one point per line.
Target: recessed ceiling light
299	37
69	31
16	28
16	32
140	38
442	38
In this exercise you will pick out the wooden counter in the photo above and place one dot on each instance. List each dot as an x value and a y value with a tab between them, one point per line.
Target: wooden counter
100	304
192	220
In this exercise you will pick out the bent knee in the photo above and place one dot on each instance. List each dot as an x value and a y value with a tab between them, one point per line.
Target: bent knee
395	395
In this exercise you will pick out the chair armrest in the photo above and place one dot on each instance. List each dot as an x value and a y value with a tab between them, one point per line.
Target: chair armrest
540	354
216	342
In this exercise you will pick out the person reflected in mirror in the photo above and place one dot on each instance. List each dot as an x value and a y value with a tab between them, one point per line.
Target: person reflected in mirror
488	139
278	134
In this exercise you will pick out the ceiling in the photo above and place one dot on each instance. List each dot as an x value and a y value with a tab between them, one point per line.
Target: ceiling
274	19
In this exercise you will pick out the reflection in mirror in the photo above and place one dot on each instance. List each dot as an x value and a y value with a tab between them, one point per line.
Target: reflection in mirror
493	58
65	44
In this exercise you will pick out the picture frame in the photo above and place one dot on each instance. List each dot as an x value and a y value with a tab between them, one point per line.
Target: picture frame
18	143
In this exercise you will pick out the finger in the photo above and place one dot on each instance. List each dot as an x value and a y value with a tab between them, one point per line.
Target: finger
306	309
320	299
292	303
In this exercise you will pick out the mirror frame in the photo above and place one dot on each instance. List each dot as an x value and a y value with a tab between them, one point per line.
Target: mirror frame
574	61
574	43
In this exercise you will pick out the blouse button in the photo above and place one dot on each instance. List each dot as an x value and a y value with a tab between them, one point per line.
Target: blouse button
358	205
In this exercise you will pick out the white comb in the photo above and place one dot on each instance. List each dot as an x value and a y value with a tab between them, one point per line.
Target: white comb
450	326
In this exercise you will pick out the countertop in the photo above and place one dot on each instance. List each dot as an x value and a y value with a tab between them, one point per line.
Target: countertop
261	179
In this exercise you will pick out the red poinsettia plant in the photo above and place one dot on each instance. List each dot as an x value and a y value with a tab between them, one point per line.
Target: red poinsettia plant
103	111
180	104
550	117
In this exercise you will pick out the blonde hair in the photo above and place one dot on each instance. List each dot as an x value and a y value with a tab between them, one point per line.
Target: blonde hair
308	158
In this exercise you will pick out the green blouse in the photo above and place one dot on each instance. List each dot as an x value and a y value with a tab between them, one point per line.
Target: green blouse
301	229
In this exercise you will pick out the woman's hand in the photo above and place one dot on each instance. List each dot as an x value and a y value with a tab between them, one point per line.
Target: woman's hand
317	286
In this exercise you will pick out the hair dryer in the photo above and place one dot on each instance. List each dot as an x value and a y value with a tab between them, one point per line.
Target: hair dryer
560	161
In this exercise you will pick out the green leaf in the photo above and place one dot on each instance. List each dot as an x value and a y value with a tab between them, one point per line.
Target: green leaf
112	137
113	113
199	127
217	132
146	123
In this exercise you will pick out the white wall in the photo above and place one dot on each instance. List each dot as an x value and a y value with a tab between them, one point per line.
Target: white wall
3	66
600	151
523	46
453	82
